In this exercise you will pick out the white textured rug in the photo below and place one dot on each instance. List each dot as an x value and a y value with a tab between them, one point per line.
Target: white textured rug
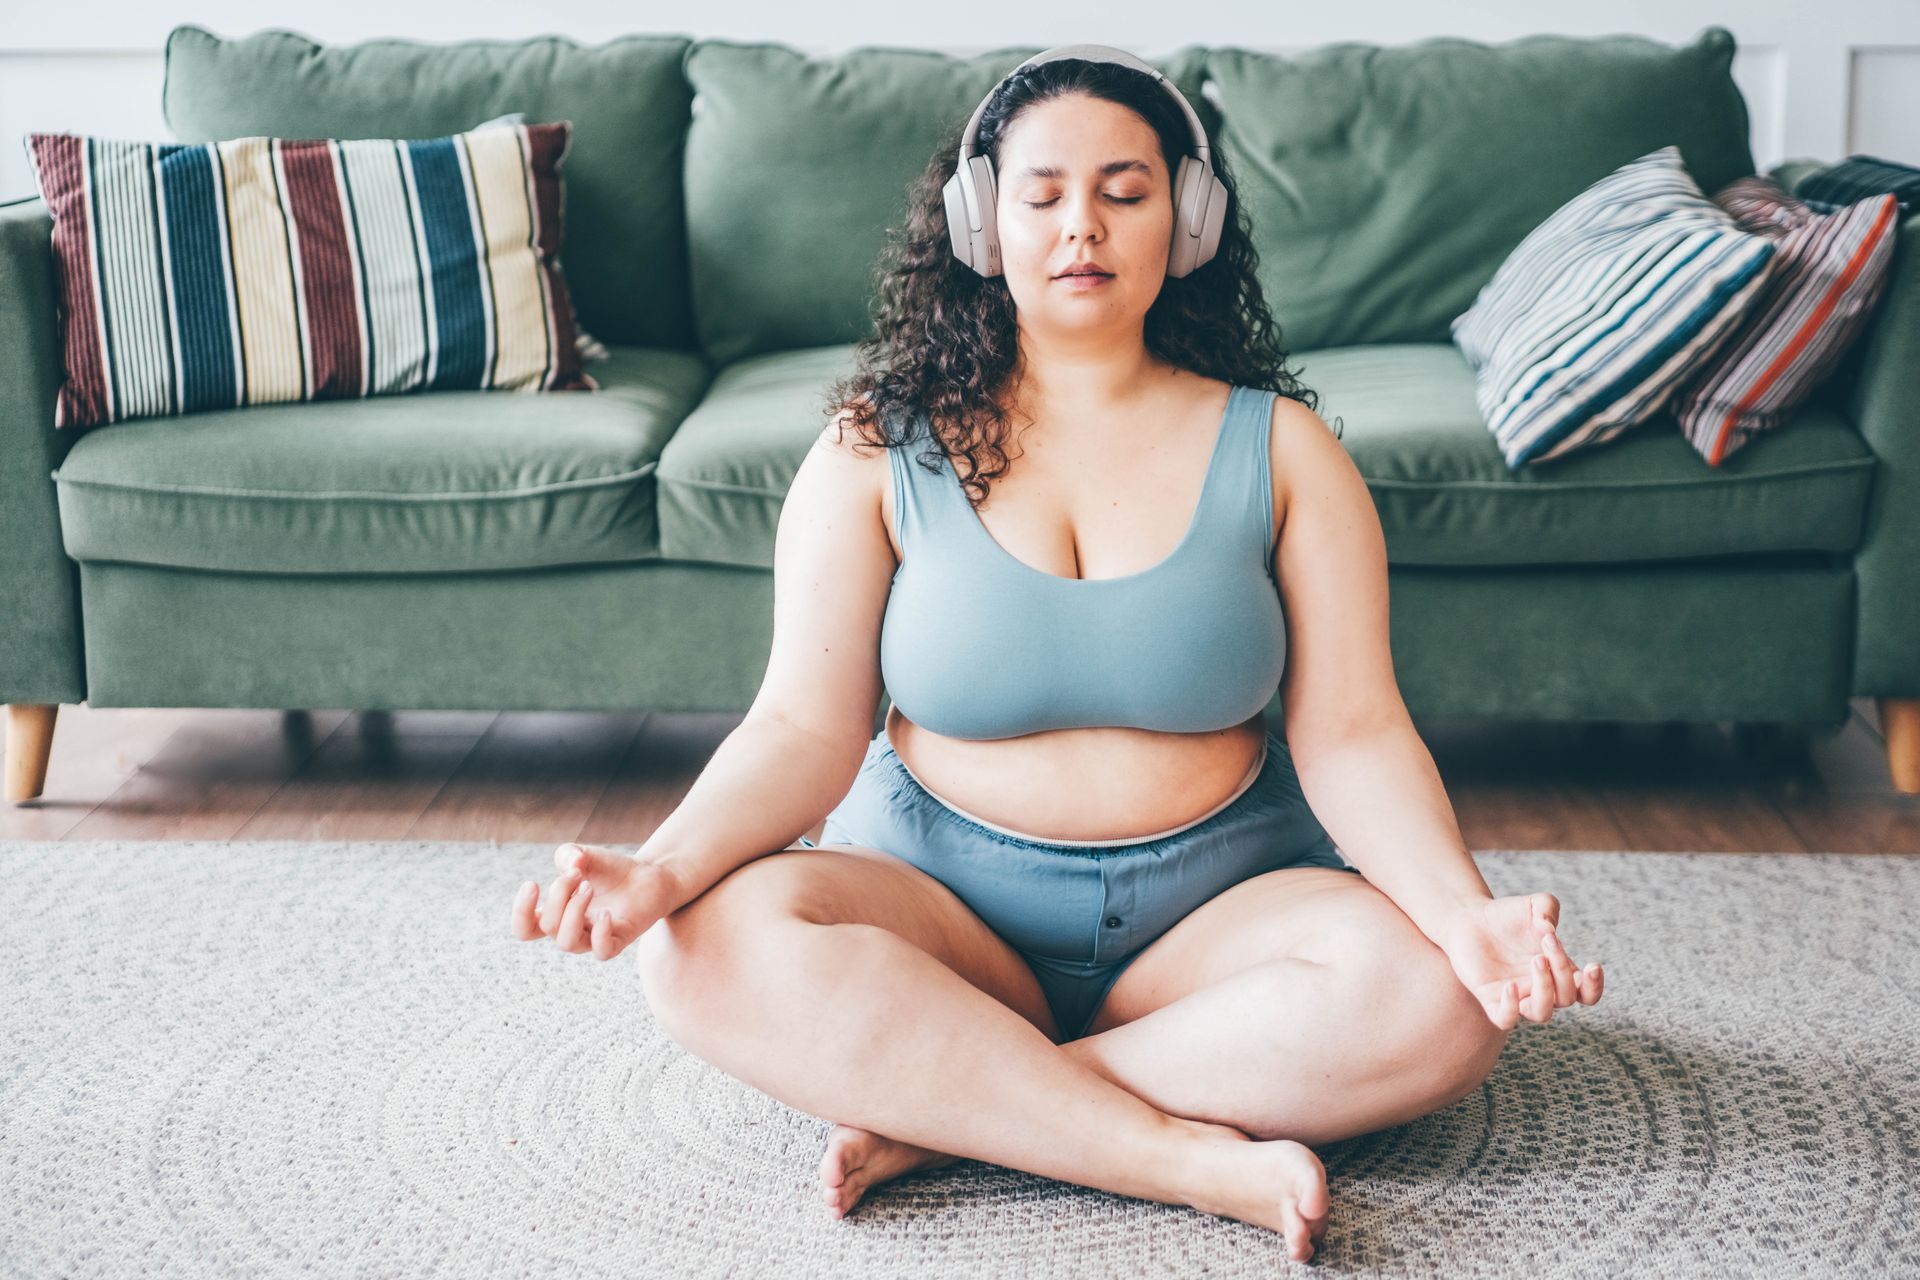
280	1058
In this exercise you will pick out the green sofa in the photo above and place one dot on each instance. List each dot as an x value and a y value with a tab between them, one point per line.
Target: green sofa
726	203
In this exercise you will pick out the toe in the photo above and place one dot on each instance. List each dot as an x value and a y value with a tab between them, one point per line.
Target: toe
1293	1228
1314	1202
840	1199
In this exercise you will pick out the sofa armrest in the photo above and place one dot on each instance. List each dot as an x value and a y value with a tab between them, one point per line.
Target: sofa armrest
1879	388
41	653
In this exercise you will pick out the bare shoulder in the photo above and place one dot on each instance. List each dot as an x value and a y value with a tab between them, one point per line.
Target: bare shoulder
1306	458
849	472
843	445
832	575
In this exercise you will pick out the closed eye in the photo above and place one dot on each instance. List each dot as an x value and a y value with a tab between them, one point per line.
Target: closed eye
1116	199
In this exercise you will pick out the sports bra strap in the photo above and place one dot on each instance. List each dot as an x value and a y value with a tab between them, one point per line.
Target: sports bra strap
1235	498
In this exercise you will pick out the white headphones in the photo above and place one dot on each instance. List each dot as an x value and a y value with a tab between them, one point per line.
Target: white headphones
1200	198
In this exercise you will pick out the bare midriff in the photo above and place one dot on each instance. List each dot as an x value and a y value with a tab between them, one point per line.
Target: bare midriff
1106	783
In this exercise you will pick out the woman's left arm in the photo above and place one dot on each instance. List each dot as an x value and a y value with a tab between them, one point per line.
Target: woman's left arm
1380	798
1365	773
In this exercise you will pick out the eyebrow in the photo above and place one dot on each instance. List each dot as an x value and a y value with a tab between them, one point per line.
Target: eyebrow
1111	166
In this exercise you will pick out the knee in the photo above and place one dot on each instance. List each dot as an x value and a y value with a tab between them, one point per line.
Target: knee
1466	1043
1451	1038
694	959
1439	1028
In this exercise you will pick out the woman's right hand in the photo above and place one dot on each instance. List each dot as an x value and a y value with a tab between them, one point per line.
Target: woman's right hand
601	901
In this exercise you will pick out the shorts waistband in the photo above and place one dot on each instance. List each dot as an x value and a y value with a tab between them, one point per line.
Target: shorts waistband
1252	773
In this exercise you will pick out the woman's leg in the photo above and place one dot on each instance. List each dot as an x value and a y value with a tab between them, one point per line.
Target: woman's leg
1367	1030
853	986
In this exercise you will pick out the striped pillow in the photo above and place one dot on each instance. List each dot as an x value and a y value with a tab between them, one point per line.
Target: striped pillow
1589	325
260	270
1828	271
590	347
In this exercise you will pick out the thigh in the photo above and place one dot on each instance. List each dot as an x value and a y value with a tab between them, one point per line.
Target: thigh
1307	912
854	884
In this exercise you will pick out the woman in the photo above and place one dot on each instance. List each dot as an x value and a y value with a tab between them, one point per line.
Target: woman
984	956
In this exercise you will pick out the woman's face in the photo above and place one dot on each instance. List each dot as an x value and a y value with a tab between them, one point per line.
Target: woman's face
1080	179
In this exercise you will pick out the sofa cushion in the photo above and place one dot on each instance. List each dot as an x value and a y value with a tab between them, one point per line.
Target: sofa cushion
625	255
1408	419
724	475
1386	185
1445	495
452	481
797	166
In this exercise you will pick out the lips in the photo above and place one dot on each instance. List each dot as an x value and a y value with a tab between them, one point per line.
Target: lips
1083	270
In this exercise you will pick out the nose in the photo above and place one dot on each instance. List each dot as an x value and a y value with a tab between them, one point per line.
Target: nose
1082	219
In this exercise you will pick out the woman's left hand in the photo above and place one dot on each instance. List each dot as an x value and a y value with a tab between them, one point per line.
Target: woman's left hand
1508	953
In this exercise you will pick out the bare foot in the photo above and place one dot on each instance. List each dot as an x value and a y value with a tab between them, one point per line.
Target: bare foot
1280	1185
857	1160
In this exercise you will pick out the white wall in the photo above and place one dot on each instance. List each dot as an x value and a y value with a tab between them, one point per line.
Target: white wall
1822	78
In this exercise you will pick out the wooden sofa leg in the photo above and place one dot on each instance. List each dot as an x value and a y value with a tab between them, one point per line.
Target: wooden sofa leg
1900	723
29	743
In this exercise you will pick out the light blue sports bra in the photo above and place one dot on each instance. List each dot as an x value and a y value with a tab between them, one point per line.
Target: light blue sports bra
976	643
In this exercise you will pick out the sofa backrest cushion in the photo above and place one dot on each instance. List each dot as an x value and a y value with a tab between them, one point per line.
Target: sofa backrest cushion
797	166
1386	185
625	254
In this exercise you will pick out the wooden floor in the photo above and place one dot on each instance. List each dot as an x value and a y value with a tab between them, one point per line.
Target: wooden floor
519	776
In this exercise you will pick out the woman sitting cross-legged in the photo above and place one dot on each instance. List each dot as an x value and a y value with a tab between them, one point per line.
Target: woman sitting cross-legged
1077	909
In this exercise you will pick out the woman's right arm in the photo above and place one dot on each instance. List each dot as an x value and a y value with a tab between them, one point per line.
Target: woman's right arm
796	752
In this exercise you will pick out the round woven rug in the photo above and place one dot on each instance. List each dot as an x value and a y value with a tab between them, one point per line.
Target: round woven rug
280	1058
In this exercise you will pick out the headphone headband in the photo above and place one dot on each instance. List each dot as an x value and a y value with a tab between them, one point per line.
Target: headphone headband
1200	198
1090	53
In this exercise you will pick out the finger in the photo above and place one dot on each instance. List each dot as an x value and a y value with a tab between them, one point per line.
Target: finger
572	935
1546	910
621	930
568	857
1593	979
602	940
557	894
524	926
1507	1015
1563	970
1541	1001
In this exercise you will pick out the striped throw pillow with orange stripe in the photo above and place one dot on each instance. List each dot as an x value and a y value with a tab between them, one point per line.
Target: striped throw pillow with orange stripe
261	270
1828	271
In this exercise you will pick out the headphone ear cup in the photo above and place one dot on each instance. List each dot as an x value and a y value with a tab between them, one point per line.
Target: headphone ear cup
986	204
1215	219
969	197
959	231
1181	257
1198	217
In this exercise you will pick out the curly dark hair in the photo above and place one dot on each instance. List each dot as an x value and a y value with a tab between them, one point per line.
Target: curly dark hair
944	336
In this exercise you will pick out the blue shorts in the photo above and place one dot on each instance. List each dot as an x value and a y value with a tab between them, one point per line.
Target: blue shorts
1079	914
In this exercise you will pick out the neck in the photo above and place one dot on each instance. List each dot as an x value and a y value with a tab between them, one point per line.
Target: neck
1083	377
